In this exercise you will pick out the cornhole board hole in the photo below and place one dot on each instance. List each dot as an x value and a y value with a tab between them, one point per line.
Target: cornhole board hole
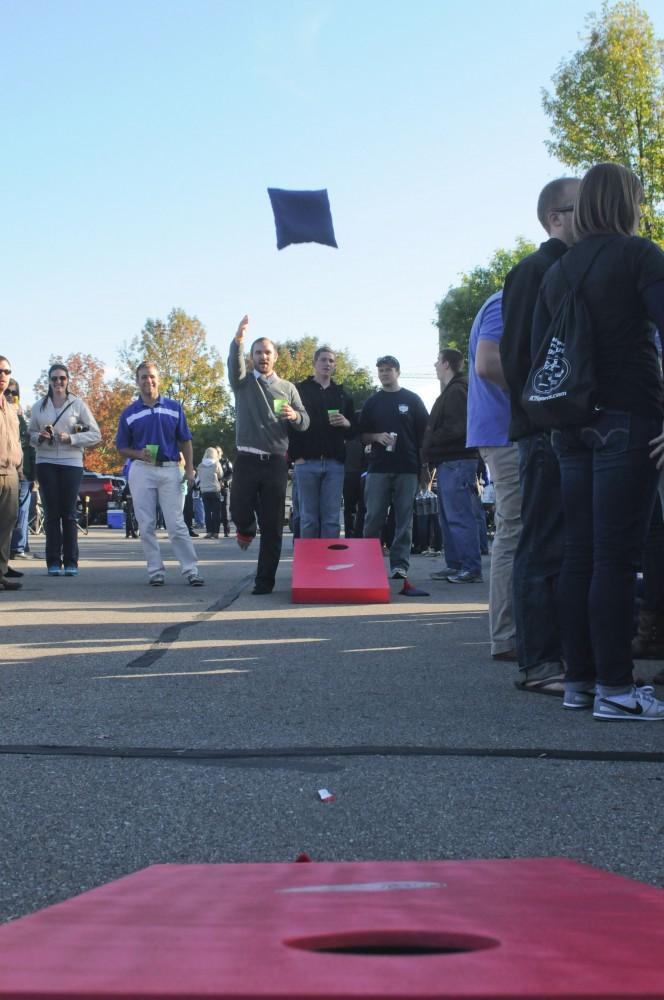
339	571
465	929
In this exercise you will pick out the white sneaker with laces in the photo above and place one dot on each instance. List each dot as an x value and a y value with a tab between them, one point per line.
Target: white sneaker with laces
638	705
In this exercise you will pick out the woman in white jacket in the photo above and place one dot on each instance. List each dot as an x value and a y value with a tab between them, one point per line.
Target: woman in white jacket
61	426
210	476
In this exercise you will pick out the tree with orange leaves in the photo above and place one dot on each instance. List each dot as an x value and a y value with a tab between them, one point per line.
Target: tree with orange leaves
106	398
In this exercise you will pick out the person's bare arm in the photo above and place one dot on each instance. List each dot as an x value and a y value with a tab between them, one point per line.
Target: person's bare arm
188	452
488	364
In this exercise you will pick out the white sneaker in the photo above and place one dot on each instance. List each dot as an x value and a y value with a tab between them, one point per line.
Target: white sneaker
638	705
157	580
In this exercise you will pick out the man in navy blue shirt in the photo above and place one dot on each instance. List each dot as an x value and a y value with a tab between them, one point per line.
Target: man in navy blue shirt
393	422
152	432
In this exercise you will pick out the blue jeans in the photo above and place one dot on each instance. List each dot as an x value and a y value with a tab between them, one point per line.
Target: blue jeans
608	490
538	556
398	489
320	483
456	510
59	485
19	542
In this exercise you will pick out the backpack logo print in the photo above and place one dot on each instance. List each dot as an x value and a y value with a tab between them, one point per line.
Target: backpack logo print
548	379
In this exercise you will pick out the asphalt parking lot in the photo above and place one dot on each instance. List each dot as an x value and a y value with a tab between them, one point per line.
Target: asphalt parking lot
190	725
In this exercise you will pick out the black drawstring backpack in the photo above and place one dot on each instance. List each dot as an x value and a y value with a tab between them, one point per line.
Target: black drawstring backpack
561	387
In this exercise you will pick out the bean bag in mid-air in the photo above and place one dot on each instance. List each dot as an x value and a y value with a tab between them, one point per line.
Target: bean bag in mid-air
302	217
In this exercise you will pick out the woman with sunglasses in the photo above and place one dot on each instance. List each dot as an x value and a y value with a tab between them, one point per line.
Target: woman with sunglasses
61	426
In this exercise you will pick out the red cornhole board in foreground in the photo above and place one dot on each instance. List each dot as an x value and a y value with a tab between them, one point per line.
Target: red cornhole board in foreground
482	929
339	571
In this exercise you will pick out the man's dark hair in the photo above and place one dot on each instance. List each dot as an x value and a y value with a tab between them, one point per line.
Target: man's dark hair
554	195
259	340
323	350
453	357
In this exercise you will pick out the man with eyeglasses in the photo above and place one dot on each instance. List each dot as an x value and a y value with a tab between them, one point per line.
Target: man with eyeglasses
393	422
10	465
539	550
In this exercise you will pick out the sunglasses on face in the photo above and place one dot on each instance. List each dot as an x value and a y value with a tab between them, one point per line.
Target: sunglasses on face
11	392
5	371
58	378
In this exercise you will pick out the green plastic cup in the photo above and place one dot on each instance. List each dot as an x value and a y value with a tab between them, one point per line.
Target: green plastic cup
154	451
332	413
279	405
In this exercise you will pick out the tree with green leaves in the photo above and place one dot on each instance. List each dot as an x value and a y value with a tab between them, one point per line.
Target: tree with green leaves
608	103
456	312
191	372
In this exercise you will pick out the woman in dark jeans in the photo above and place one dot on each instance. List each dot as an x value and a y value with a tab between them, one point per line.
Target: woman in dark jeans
61	426
608	474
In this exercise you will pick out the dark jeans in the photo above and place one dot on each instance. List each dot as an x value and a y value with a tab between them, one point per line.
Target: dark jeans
223	500
353	505
212	513
59	485
263	483
608	488
653	563
538	556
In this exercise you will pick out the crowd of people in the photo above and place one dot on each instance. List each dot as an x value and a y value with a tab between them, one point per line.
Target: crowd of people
576	502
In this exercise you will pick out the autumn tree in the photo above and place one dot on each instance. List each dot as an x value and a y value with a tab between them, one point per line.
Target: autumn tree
456	312
608	103
191	372
105	398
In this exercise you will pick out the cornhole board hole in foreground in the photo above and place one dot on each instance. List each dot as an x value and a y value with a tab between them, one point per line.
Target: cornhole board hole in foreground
527	928
339	571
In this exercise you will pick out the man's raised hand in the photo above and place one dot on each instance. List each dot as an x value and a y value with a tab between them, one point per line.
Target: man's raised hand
244	323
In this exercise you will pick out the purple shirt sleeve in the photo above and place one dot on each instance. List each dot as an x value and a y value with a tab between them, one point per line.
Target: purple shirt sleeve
492	322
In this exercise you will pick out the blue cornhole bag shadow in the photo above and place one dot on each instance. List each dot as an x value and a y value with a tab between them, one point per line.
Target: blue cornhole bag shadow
302	217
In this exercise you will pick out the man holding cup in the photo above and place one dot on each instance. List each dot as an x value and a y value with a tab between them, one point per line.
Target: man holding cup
393	422
152	432
319	453
266	407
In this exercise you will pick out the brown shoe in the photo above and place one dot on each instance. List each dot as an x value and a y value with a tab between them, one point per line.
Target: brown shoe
6	584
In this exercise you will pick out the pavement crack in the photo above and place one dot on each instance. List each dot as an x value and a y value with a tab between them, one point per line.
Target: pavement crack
200	754
171	633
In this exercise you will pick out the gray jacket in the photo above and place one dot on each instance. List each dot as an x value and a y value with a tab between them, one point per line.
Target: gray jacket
75	415
256	423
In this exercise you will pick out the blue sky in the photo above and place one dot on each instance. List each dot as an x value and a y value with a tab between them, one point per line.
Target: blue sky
140	138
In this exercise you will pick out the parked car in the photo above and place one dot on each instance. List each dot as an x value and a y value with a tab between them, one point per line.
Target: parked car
104	491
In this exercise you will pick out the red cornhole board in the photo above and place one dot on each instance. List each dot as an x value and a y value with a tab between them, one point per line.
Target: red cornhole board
482	929
339	571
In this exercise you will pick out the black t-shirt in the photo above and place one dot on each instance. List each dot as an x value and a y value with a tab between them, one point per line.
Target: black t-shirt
626	363
402	413
522	285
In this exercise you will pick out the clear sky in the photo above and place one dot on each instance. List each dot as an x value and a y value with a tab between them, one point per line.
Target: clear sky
139	137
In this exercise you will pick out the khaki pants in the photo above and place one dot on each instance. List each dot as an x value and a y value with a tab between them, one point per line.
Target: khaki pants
8	512
504	468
